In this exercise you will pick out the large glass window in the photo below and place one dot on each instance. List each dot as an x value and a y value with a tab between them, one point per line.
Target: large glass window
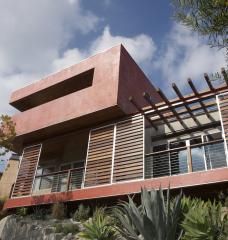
200	153
197	154
178	158
160	161
214	153
44	182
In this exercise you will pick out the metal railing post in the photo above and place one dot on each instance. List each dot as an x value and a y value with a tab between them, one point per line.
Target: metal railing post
189	156
68	179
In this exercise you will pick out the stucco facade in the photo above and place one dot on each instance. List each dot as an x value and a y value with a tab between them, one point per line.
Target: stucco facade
100	129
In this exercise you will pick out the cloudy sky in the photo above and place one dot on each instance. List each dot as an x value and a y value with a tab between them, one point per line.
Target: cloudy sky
41	37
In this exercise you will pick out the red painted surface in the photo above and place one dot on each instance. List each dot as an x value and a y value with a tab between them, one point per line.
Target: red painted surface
101	95
178	181
133	82
116	77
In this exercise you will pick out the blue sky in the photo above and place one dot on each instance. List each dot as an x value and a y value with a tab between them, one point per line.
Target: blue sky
41	37
130	18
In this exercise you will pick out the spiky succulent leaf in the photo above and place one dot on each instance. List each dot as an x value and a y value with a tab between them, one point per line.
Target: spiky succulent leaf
154	219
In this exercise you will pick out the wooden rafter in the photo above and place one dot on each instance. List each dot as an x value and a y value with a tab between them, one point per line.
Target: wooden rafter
182	112
175	110
149	100
188	131
179	94
190	99
165	99
142	112
223	71
206	77
191	84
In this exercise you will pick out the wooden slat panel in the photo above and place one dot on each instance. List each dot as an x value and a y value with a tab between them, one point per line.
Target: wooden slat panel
99	157
128	158
23	185
223	105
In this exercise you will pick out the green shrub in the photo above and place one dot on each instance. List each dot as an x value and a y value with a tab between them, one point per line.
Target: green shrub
70	228
58	211
82	213
156	218
22	211
100	227
205	220
58	228
66	228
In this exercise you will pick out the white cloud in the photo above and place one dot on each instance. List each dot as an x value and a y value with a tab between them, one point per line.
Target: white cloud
70	57
33	33
185	55
141	48
10	83
35	36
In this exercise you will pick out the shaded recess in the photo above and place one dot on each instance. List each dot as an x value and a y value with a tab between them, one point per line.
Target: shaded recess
58	90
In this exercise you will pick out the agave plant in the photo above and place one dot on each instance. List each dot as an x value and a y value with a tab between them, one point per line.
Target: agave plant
100	227
205	221
154	219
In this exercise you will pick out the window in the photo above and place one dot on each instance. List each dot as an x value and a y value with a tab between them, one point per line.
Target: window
197	154
214	153
178	158
46	181
160	163
175	157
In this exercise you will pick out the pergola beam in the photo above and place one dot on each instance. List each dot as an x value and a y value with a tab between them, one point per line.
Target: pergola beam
149	100
179	94
165	99
141	111
223	71
181	113
189	99
191	84
206	77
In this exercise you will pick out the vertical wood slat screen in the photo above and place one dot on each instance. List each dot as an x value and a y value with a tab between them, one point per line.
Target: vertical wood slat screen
24	181
129	150
99	157
126	139
223	105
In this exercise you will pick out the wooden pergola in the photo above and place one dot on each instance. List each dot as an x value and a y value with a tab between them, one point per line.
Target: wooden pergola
177	109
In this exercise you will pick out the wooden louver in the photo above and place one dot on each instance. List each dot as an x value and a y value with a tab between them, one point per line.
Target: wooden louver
129	156
99	157
223	105
24	181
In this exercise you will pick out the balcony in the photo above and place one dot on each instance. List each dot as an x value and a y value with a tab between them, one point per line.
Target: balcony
195	157
60	181
183	157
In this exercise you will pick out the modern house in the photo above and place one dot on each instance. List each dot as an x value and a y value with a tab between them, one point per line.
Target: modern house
100	129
